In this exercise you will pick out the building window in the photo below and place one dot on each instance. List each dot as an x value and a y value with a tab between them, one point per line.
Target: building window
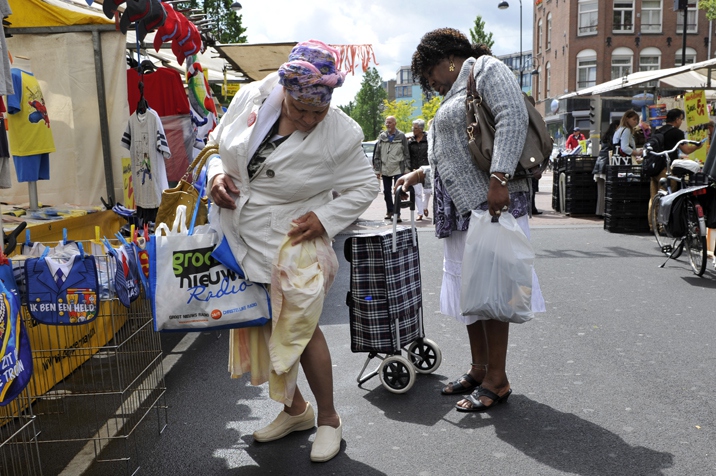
623	17
548	81
403	91
690	56
651	16
586	69
650	60
539	36
621	62
588	17
549	30
539	86
691	19
406	76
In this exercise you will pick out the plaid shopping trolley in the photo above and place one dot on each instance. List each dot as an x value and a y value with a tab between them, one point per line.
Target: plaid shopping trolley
386	306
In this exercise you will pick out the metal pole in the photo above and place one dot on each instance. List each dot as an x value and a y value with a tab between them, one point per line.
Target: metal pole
522	66
103	121
683	41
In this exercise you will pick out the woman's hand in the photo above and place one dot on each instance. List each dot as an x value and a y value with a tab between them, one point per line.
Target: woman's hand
306	227
408	180
224	192
498	197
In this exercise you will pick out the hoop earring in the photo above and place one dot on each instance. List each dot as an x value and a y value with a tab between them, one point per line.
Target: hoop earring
452	66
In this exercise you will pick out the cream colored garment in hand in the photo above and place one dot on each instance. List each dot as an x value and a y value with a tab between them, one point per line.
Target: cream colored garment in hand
300	278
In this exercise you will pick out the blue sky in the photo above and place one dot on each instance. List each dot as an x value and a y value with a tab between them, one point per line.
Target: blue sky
393	28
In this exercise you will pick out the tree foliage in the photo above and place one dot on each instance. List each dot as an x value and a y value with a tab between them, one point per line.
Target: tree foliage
709	6
227	26
478	34
368	104
348	108
402	111
430	108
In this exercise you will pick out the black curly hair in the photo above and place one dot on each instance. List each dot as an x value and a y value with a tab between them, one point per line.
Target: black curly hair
437	45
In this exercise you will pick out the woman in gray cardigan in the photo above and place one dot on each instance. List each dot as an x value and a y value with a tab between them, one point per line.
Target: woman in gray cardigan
442	63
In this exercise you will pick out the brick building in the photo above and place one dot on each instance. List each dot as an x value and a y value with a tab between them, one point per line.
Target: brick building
582	43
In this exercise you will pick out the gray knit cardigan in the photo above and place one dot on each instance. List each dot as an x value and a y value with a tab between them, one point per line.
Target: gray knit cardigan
447	140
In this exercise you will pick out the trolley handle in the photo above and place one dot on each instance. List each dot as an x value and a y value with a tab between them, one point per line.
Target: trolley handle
404	200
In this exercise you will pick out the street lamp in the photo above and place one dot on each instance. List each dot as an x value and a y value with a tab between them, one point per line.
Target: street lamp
503	5
236	6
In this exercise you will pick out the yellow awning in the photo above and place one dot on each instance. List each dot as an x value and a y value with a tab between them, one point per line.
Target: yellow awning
39	13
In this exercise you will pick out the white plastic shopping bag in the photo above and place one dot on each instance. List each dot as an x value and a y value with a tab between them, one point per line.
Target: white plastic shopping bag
497	269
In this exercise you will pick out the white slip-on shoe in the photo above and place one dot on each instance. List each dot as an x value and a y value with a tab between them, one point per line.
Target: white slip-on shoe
285	424
327	443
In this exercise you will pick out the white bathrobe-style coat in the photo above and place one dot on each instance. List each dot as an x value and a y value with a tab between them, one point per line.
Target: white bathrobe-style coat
295	179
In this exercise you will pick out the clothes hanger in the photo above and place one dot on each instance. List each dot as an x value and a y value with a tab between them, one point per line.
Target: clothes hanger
147	66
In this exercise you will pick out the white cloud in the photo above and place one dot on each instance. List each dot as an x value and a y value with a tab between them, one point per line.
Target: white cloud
393	28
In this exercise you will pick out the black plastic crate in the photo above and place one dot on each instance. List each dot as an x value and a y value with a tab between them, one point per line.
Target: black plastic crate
580	163
625	174
580	207
626	224
581	192
628	190
579	178
626	208
555	192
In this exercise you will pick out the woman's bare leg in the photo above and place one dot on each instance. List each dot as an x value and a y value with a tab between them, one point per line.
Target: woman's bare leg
316	363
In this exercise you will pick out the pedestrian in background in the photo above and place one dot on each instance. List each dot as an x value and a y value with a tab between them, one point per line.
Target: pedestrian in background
623	140
418	148
390	161
672	135
574	139
600	167
442	63
283	148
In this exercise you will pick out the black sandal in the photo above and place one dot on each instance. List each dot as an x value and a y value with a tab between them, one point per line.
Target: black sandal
477	406
458	388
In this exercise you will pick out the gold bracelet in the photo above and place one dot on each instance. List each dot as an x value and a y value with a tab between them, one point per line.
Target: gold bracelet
503	182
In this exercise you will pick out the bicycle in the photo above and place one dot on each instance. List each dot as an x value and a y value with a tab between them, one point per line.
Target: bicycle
693	237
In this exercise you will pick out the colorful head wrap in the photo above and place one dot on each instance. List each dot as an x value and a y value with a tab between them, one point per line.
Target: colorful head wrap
310	74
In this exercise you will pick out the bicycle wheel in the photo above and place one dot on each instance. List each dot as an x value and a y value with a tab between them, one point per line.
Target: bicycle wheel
695	242
665	243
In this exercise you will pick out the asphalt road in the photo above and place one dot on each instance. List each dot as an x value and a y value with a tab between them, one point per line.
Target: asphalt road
616	378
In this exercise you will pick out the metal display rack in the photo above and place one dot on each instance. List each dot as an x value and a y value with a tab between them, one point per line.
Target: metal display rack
96	382
19	452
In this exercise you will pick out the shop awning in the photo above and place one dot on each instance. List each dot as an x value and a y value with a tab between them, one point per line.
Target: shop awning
256	61
691	76
51	13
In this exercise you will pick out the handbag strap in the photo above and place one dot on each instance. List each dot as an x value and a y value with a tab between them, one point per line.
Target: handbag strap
200	160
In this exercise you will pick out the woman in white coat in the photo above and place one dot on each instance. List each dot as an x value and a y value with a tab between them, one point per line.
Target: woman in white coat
282	150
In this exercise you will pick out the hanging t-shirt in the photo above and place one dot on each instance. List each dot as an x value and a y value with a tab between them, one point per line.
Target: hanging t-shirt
28	123
148	149
163	90
6	86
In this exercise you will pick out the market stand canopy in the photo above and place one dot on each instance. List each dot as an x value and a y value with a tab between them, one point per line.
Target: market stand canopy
256	61
43	13
690	76
63	39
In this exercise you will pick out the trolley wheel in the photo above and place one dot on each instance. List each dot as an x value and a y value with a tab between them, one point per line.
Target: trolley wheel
397	374
425	356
